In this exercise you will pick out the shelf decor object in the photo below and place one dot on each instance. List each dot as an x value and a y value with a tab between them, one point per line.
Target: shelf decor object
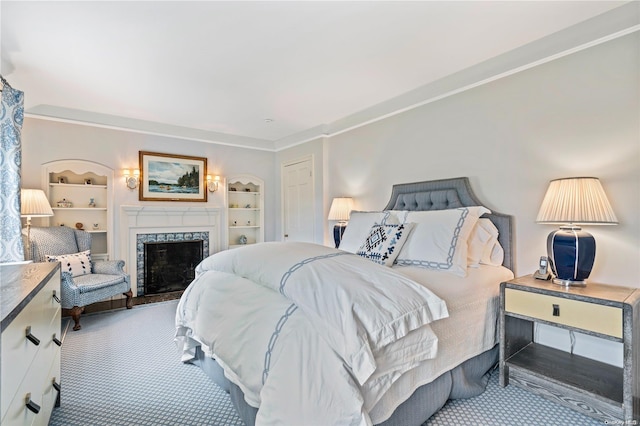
571	202
340	210
169	177
33	203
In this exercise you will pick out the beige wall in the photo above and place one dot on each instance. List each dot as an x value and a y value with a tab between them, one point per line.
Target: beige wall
44	141
575	116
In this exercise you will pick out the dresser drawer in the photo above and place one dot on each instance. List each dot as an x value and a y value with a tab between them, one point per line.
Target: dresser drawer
573	313
17	352
17	413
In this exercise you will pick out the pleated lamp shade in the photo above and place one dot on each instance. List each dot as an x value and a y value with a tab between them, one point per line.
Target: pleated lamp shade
572	202
341	209
576	200
34	203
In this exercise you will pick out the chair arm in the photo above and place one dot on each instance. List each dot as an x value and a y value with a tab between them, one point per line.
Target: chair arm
109	267
68	289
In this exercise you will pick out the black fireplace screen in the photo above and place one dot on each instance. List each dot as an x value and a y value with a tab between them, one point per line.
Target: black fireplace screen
170	266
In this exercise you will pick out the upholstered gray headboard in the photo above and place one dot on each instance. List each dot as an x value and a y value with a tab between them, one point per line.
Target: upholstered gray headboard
450	194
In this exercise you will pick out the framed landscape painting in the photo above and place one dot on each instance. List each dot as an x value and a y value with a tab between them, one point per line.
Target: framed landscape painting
168	177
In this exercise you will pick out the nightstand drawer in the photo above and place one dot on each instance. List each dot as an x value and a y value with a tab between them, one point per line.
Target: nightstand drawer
573	313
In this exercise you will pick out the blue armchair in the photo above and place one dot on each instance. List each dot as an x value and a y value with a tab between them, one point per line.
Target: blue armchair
105	279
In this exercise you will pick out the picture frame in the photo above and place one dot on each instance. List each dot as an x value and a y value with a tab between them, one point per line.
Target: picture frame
172	177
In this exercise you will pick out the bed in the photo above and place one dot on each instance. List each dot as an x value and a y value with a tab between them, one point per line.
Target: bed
382	331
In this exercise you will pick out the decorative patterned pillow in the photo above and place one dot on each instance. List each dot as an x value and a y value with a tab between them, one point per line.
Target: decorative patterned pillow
360	224
439	239
384	242
76	264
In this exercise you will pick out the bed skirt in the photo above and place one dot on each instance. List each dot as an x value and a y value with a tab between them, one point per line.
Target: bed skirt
467	380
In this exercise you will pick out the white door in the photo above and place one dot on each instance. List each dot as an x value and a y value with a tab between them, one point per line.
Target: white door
297	203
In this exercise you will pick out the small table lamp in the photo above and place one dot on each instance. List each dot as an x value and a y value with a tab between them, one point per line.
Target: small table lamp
570	202
33	203
340	211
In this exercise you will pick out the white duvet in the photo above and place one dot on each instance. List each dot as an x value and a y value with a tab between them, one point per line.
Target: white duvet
312	335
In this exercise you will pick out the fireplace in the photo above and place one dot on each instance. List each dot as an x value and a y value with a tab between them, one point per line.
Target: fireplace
170	265
175	222
171	248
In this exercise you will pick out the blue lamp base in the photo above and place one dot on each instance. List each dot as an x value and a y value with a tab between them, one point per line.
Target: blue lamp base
338	230
571	254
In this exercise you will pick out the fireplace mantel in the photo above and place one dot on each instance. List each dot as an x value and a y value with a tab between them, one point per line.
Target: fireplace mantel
136	220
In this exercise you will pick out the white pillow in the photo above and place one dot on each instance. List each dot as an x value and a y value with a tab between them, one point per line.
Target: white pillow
484	247
76	264
482	236
493	253
384	242
359	226
439	239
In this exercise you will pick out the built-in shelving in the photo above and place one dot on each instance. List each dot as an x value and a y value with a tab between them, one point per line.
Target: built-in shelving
245	215
88	187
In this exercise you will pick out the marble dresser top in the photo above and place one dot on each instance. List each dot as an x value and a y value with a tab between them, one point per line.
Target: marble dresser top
19	284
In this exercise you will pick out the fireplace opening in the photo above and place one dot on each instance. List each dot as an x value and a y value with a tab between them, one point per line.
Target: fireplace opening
170	266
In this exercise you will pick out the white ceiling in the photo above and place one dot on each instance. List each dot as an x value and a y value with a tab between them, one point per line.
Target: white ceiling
221	68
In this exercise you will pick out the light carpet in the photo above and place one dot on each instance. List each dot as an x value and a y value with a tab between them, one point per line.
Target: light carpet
123	369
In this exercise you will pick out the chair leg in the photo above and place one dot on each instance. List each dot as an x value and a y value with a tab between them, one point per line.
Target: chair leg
75	314
129	295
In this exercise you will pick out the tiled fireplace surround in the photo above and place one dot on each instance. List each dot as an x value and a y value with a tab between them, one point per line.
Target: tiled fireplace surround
139	224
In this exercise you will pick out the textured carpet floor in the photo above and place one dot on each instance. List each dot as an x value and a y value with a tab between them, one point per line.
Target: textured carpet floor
123	369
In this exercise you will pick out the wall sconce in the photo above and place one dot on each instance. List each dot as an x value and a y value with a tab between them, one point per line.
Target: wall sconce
131	180
212	183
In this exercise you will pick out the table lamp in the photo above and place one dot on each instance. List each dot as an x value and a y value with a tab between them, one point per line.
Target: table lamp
340	210
33	203
571	202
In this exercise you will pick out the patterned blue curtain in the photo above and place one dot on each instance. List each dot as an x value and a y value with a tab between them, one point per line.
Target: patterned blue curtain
11	118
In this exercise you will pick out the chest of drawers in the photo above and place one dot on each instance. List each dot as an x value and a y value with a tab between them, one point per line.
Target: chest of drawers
30	343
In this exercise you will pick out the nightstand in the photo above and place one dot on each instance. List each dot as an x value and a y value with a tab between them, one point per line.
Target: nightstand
597	389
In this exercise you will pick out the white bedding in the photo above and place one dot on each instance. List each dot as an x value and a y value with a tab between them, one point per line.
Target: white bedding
312	335
470	329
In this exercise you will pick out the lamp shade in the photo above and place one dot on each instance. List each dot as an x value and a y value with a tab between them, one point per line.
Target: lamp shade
571	202
576	200
341	209
34	203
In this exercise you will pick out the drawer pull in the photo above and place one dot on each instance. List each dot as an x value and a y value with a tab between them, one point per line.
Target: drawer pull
56	298
32	406
56	385
556	310
33	339
56	340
